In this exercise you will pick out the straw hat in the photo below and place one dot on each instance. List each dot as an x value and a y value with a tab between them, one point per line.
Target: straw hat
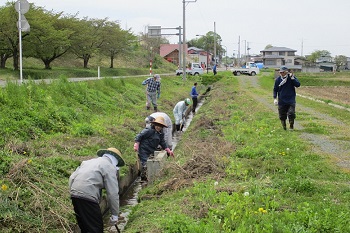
160	122
113	151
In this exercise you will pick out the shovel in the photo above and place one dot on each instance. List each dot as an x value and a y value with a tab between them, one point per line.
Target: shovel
183	123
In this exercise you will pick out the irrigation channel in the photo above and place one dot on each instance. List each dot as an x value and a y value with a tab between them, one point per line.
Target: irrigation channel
130	198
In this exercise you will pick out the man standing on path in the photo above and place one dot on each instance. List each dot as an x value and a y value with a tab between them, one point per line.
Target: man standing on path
85	186
194	96
153	91
284	96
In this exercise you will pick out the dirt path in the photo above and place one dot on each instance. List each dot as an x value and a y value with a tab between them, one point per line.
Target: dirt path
333	147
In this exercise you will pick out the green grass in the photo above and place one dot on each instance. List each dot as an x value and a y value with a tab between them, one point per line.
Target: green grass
272	182
235	169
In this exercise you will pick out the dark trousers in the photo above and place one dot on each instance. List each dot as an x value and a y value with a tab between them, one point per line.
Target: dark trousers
88	215
287	110
195	102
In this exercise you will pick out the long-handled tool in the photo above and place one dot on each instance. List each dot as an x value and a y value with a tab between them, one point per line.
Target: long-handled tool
116	227
183	123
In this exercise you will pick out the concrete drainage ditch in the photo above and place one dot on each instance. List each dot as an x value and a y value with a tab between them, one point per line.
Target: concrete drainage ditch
130	184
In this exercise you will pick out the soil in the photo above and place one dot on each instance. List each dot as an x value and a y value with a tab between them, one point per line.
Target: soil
334	94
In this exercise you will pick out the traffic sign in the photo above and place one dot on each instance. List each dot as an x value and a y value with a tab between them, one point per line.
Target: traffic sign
22	6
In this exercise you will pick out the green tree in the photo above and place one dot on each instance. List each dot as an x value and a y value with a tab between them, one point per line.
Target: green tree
49	36
88	41
115	40
9	35
340	61
317	54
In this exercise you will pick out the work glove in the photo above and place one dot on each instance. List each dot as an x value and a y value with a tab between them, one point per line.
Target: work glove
113	220
275	102
169	152
136	146
158	95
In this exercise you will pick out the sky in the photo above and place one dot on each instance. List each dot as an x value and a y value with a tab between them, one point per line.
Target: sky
302	25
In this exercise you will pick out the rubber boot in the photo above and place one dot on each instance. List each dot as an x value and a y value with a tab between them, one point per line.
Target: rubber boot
144	173
291	124
284	125
155	109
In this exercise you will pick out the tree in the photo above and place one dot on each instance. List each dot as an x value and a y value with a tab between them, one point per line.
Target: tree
268	46
206	42
88	41
317	54
341	62
9	35
115	40
49	37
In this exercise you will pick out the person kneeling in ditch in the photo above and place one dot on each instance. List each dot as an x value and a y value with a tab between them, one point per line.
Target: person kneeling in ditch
85	186
147	141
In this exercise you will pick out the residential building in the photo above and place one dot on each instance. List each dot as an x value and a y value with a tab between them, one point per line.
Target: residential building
275	57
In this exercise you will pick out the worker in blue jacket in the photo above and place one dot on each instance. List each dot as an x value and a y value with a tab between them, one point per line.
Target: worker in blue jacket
194	95
284	96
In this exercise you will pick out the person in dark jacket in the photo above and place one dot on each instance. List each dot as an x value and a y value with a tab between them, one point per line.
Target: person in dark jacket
85	186
147	141
284	96
194	95
214	69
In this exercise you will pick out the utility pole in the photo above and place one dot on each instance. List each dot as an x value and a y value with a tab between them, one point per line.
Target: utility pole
184	39
239	51
215	42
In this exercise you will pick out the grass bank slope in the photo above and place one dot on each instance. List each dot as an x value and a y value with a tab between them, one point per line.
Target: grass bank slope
48	129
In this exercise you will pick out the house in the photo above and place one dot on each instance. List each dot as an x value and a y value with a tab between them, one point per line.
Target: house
170	52
326	63
275	57
199	55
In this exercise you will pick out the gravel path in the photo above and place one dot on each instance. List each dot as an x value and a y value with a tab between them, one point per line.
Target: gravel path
337	150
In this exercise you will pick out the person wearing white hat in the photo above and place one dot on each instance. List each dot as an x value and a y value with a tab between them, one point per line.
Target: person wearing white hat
147	141
85	186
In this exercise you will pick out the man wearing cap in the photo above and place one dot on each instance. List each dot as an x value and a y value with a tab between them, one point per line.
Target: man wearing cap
85	186
284	96
147	141
152	91
179	114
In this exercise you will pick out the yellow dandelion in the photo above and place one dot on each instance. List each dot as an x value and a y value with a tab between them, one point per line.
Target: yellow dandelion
264	211
29	161
24	152
261	209
4	187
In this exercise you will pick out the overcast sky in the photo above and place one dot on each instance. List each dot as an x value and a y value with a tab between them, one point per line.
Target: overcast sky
303	25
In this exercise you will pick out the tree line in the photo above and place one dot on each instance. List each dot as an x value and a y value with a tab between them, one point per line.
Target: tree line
54	34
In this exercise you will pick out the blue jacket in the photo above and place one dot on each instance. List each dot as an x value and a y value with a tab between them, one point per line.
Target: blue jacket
194	93
286	93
